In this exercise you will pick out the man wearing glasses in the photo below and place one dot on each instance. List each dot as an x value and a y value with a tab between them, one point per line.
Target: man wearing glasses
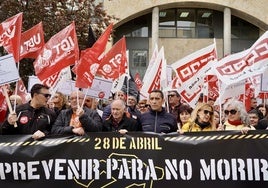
33	117
78	119
174	102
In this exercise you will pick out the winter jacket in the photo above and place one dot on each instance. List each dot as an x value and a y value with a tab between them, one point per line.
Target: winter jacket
127	123
158	122
30	120
194	127
90	120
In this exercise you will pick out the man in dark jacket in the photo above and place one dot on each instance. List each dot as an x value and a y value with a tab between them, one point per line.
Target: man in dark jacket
33	117
174	102
119	120
78	119
157	119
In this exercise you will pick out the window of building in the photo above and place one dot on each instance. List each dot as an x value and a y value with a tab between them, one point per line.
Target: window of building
186	23
139	58
141	32
242	29
138	27
204	24
167	27
138	61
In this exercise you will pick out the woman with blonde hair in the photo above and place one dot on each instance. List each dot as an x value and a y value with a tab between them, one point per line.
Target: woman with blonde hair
59	101
202	119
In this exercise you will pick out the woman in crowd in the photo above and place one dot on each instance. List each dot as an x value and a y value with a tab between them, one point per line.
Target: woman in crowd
202	119
236	116
217	118
59	101
184	114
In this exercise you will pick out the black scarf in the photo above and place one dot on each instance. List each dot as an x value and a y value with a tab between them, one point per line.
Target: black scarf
202	125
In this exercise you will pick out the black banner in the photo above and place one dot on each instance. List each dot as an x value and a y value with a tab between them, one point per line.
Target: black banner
207	159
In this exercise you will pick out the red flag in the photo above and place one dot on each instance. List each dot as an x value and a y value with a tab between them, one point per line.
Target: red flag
22	91
32	41
263	95
213	89
3	105
90	59
138	81
114	62
10	34
249	93
175	83
59	52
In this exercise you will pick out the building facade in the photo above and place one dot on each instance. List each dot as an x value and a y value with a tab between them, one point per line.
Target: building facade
184	26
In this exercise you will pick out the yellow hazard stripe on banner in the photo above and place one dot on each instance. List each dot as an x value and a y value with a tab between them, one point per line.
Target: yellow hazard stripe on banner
44	142
216	137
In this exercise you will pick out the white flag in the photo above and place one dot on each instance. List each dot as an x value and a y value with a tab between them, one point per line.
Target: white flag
240	66
153	80
151	62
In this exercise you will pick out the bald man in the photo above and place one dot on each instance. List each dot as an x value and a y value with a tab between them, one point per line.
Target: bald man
119	121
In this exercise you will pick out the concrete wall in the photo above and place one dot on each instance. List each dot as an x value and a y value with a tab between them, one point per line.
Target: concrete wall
254	11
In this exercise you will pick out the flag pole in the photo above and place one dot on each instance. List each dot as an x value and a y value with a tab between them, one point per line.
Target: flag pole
4	89
85	97
127	72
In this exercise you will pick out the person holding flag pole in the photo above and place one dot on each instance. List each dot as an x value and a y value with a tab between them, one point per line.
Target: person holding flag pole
33	117
78	119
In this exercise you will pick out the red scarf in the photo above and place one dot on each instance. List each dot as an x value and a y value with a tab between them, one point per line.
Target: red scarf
235	122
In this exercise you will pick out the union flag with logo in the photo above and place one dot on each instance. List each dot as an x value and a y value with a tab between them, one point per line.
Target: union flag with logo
32	41
114	62
59	52
10	35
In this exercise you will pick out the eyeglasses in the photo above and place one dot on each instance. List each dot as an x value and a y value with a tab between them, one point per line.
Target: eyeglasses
75	98
145	106
47	95
230	111
208	112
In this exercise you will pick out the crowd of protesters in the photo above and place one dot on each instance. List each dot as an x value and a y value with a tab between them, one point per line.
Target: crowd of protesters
45	115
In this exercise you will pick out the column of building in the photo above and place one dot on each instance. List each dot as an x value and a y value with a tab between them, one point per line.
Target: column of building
226	31
155	26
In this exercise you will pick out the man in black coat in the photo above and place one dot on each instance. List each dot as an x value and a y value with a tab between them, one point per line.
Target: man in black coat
33	117
120	120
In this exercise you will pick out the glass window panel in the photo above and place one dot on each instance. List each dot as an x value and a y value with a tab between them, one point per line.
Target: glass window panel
185	23
139	58
205	32
167	17
142	32
242	29
185	18
204	18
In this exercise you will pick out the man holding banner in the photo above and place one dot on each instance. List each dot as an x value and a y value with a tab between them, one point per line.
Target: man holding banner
33	117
